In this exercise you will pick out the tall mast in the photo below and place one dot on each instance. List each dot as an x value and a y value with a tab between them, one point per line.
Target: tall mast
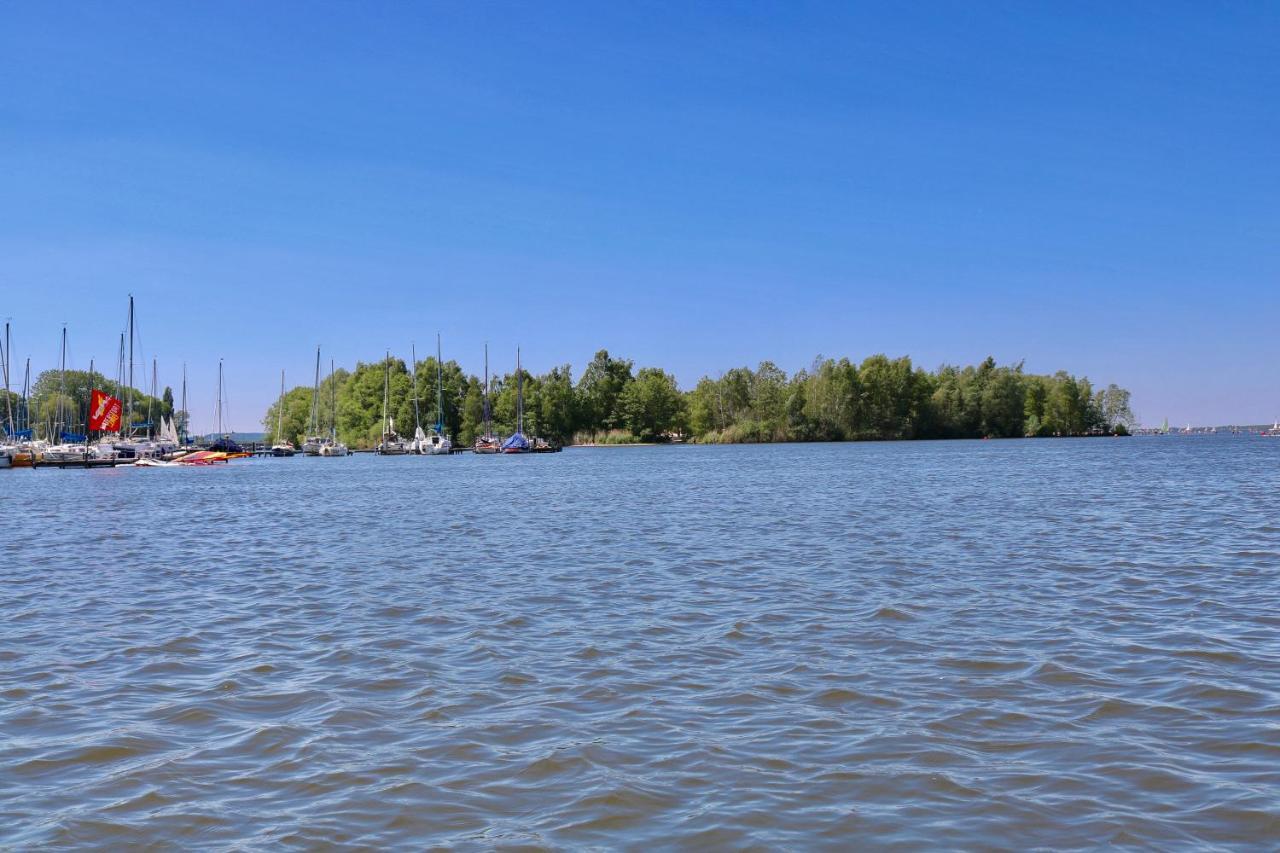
62	386
8	359
333	392
26	396
219	398
185	416
417	421
151	399
519	395
88	402
439	389
386	388
487	429
129	405
280	411
315	398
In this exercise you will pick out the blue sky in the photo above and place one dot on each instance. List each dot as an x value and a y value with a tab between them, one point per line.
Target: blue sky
692	185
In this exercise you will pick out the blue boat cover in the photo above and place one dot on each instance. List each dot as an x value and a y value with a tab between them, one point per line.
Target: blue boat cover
19	433
143	425
516	441
72	437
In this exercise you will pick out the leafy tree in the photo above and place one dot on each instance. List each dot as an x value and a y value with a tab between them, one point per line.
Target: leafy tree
601	385
652	404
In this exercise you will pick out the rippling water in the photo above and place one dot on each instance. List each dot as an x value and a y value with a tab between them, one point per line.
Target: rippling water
1059	643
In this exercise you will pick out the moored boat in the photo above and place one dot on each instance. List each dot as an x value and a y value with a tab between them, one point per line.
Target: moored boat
330	446
488	442
391	444
438	443
282	447
517	442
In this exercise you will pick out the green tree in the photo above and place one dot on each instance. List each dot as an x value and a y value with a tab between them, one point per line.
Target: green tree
601	385
652	404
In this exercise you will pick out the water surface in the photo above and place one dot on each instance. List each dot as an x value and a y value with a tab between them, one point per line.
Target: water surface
1061	643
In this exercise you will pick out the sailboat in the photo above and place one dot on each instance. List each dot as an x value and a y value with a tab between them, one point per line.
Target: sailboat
224	443
392	444
282	447
138	440
21	448
331	446
487	443
314	440
516	442
71	447
8	447
419	443
438	444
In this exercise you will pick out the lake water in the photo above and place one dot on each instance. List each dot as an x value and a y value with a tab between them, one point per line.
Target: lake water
1066	643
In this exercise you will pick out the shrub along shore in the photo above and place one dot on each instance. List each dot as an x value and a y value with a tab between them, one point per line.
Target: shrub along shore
615	403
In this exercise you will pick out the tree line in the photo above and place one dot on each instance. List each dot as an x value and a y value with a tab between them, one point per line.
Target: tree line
59	403
832	400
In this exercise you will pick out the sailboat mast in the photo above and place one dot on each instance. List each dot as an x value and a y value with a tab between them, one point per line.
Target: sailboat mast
519	395
8	359
439	389
129	404
88	403
219	397
417	420
280	411
151	399
62	386
120	367
386	388
315	398
26	395
333	395
184	400
488	430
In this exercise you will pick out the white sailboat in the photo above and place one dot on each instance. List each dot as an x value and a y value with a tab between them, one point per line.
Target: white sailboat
331	446
314	440
282	447
68	446
392	444
438	444
419	444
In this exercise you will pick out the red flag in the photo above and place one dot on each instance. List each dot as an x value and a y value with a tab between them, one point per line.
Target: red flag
104	412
